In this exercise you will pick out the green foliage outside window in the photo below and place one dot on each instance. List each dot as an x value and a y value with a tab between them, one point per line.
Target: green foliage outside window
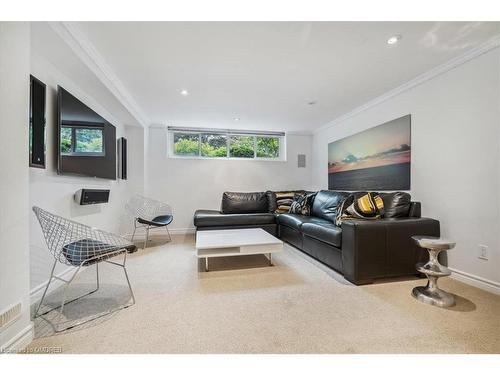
88	140
268	147
66	140
241	146
213	145
186	144
217	145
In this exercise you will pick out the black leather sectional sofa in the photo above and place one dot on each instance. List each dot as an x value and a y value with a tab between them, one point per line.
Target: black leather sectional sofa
362	250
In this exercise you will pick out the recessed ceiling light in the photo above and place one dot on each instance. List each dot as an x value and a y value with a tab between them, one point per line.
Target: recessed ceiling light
184	93
236	119
394	39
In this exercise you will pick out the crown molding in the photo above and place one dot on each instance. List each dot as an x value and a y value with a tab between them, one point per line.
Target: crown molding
487	46
73	36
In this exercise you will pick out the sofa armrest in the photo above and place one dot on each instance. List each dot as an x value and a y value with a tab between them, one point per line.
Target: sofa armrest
202	217
383	248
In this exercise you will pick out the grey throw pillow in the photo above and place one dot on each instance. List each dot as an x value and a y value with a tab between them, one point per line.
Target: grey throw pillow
302	204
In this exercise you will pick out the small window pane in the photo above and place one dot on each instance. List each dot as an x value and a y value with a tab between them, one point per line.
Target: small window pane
268	147
89	140
66	146
214	145
241	146
186	144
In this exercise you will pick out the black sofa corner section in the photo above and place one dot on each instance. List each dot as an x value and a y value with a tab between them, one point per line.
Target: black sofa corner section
362	250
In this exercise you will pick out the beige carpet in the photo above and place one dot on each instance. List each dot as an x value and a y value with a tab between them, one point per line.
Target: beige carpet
243	306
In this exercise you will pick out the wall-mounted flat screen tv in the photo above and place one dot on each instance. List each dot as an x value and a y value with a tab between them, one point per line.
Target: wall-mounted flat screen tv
86	142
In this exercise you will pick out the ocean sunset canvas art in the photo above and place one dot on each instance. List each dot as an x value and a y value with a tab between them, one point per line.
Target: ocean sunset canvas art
375	159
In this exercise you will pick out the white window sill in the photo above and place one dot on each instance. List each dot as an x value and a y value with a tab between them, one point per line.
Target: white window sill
225	158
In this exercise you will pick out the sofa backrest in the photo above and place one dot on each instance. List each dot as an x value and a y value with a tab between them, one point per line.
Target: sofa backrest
244	203
272	203
326	204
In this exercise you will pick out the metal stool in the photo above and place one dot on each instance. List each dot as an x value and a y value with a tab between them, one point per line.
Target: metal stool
430	293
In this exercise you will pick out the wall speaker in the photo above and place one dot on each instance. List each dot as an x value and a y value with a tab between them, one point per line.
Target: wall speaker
37	123
91	196
122	158
301	161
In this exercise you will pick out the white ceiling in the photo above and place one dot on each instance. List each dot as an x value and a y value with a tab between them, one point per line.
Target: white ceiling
266	73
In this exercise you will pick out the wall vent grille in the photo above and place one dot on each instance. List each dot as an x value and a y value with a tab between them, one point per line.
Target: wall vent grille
10	315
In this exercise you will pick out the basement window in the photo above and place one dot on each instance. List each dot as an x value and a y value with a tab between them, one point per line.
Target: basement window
225	144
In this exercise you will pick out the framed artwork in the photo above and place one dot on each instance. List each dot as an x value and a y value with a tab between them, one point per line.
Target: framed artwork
376	159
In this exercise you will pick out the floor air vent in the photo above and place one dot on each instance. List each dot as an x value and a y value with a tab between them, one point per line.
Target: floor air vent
10	315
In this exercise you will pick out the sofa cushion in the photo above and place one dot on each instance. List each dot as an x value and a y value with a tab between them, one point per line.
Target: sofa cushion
323	231
326	204
272	204
158	221
85	249
396	204
244	203
284	200
212	218
294	220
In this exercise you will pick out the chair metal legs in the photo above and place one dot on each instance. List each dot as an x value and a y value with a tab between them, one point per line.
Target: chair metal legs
135	228
97	275
68	282
148	227
128	281
147	236
46	288
168	232
66	288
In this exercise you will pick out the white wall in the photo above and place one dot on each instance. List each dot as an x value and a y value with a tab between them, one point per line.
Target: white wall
191	184
135	161
14	255
55	193
455	156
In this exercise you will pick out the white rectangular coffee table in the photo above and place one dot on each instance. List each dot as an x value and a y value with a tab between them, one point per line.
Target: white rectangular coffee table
233	242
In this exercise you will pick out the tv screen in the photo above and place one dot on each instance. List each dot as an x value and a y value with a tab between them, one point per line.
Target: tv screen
86	142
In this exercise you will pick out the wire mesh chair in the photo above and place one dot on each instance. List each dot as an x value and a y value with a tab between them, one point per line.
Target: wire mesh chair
149	213
78	245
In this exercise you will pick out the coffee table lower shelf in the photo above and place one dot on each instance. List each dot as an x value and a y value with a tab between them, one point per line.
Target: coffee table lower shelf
237	251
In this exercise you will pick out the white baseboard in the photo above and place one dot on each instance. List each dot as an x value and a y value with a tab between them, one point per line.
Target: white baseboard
141	234
37	292
479	282
183	230
20	341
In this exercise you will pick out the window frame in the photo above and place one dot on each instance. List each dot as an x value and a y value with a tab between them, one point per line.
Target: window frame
227	133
